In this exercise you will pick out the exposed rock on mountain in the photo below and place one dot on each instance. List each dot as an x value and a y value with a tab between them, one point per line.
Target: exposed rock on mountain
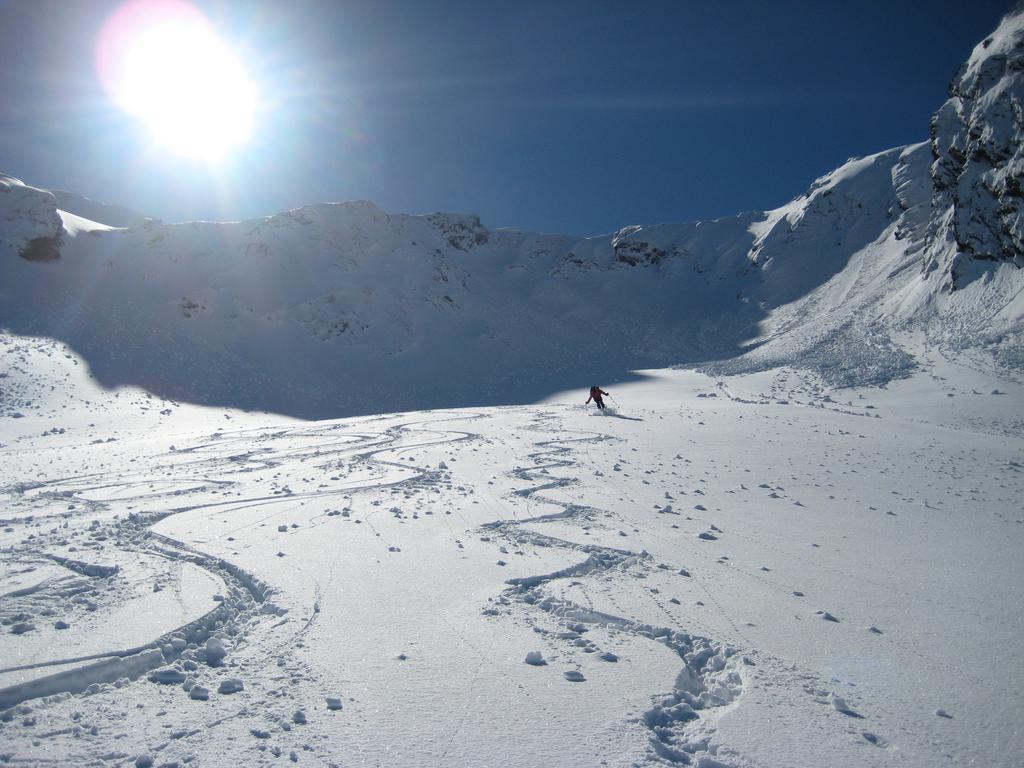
29	224
978	146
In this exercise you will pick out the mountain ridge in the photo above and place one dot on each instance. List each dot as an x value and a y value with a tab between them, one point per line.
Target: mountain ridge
342	308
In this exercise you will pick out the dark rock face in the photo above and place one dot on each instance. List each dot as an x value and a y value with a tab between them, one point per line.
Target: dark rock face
977	140
462	231
630	249
42	249
32	228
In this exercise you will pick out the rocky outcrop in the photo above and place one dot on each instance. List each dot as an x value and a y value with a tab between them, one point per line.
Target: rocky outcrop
31	226
630	248
462	231
977	140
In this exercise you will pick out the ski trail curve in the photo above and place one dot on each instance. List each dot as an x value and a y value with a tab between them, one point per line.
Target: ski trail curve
245	600
681	722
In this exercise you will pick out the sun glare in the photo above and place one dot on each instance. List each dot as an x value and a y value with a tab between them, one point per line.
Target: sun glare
162	62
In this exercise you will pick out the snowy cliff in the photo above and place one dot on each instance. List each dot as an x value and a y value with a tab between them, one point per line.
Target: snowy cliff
29	224
978	173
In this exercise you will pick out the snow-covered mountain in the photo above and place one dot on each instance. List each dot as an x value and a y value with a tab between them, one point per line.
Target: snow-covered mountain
31	226
978	210
777	568
337	309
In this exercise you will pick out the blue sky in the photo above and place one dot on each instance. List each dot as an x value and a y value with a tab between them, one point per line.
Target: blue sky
574	117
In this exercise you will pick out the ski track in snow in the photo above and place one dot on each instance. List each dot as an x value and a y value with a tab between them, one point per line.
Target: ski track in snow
709	679
827	572
247	601
185	521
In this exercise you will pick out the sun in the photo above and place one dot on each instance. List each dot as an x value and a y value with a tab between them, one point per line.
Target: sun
162	61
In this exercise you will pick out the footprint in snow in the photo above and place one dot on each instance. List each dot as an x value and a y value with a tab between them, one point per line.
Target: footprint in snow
872	738
840	706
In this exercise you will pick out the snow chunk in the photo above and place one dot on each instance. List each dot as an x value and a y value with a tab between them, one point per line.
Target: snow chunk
535	658
231	685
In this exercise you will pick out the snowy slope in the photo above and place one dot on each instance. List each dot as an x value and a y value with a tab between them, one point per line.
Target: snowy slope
677	583
93	210
807	552
341	308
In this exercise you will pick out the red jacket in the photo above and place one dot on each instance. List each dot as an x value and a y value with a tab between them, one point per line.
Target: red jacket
595	393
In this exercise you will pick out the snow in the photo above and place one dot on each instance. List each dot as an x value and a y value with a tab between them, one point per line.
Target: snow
976	142
111	216
322	487
74	225
28	220
342	309
865	548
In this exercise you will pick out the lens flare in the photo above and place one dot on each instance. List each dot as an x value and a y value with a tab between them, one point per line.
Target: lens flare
162	61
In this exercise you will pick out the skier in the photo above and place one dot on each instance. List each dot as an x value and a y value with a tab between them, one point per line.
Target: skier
595	395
